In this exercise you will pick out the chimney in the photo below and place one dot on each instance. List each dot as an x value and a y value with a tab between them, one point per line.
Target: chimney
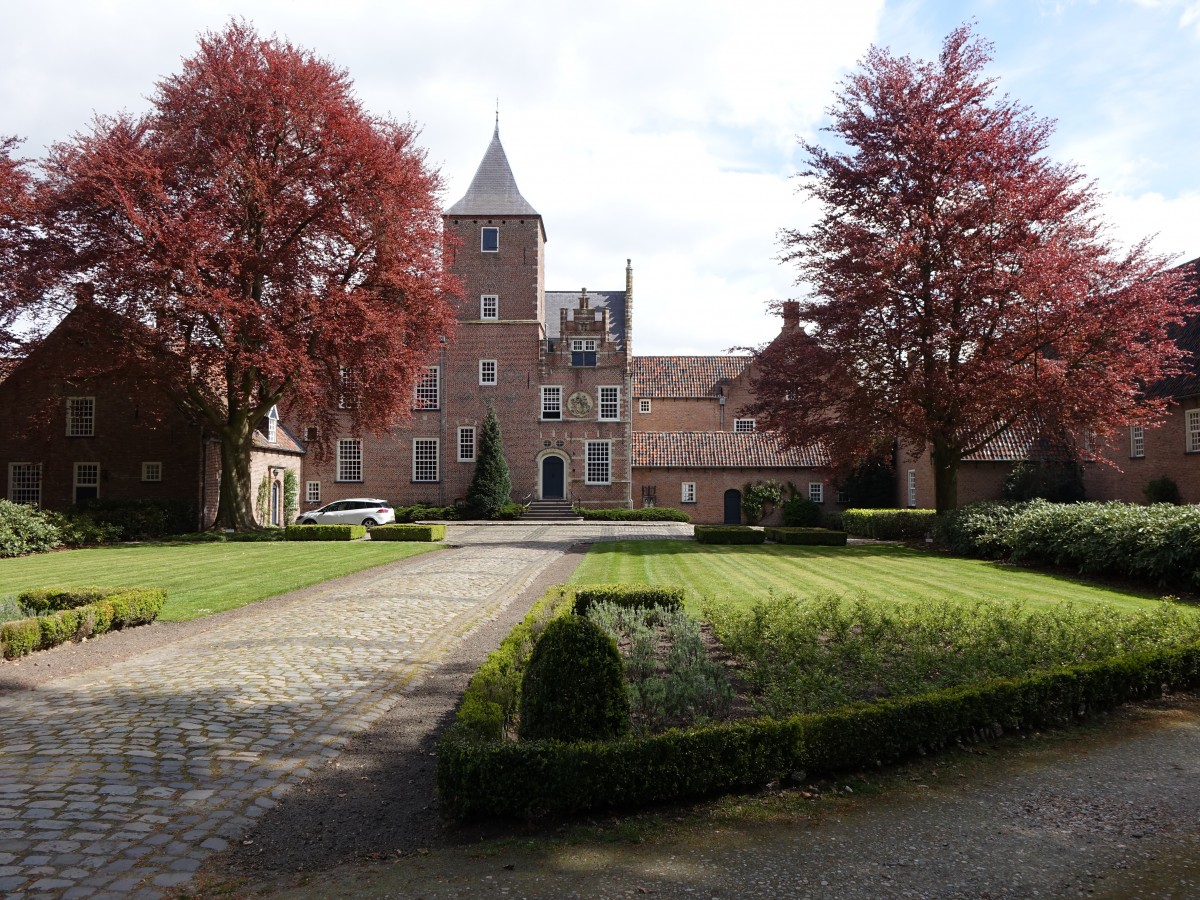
791	315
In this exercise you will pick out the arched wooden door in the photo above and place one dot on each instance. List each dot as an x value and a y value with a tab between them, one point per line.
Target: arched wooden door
733	507
553	478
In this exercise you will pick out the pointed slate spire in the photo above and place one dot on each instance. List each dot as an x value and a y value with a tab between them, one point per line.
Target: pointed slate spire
493	190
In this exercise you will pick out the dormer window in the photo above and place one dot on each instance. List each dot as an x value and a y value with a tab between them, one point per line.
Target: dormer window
489	240
273	425
583	352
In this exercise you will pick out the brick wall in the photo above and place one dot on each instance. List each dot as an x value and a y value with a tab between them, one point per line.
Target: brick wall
1165	449
711	485
976	480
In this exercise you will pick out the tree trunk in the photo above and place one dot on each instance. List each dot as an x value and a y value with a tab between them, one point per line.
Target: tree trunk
945	477
234	506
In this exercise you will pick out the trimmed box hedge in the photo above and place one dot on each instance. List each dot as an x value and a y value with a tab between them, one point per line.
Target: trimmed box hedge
729	534
325	532
422	533
76	615
647	514
814	537
480	778
628	595
888	524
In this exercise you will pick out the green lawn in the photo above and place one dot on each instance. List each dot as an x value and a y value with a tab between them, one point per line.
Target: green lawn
740	575
202	579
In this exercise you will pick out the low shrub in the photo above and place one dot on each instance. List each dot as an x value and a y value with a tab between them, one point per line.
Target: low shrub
1162	490
46	600
529	778
667	596
259	536
816	537
78	529
140	519
574	686
647	514
729	534
495	689
510	512
325	532
888	524
421	512
26	529
422	533
108	609
980	529
800	512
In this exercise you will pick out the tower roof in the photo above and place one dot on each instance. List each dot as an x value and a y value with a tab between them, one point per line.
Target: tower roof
493	190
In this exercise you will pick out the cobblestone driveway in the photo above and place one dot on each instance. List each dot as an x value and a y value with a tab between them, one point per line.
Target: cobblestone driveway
121	781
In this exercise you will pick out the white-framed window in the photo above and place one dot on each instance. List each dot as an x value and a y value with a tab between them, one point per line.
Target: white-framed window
551	401
466	443
1193	431
1137	441
487	372
598	456
273	425
152	471
81	416
743	426
349	459
687	493
347	388
816	492
912	487
312	492
609	404
489	306
489	239
428	391
583	352
644	405
425	459
87	481
25	482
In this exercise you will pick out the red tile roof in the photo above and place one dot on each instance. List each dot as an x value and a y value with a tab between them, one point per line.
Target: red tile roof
718	450
285	442
684	376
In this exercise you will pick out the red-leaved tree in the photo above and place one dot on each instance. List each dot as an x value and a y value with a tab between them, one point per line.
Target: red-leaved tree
962	285
15	233
261	234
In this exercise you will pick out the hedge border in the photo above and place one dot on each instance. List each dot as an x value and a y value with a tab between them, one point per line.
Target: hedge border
629	595
888	524
478	779
118	608
421	533
728	534
646	514
325	532
812	537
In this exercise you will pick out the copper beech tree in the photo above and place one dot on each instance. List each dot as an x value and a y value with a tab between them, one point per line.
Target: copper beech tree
962	286
266	240
15	233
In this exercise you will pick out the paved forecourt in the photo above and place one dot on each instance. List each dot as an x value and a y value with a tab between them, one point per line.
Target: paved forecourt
120	781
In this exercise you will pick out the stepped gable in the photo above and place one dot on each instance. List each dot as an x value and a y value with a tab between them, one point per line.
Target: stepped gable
684	376
613	301
719	450
493	190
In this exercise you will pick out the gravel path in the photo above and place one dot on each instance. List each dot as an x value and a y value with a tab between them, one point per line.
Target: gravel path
1103	811
123	778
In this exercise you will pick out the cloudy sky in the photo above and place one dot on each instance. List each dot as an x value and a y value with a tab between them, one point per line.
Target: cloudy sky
660	131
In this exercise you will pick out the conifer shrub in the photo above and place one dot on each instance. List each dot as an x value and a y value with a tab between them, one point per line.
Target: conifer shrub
800	512
325	532
1162	490
729	534
492	484
574	685
422	533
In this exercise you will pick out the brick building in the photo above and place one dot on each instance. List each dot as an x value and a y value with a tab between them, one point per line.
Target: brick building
77	426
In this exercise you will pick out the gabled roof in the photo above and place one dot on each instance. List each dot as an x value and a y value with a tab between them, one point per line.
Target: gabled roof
719	450
613	301
285	441
684	376
493	190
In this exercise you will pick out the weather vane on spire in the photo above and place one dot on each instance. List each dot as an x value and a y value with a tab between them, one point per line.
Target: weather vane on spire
497	112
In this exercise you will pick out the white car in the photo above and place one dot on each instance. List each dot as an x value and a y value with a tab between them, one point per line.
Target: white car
360	511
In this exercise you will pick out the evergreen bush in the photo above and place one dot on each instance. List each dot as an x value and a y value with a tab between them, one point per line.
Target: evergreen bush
492	484
26	529
668	596
647	514
325	532
812	537
422	533
728	534
800	512
888	524
574	685
1056	482
1162	490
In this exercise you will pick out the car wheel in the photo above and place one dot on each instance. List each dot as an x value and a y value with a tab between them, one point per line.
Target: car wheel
370	523
308	521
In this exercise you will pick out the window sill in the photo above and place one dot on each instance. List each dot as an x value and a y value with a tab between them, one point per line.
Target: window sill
348	481
414	481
